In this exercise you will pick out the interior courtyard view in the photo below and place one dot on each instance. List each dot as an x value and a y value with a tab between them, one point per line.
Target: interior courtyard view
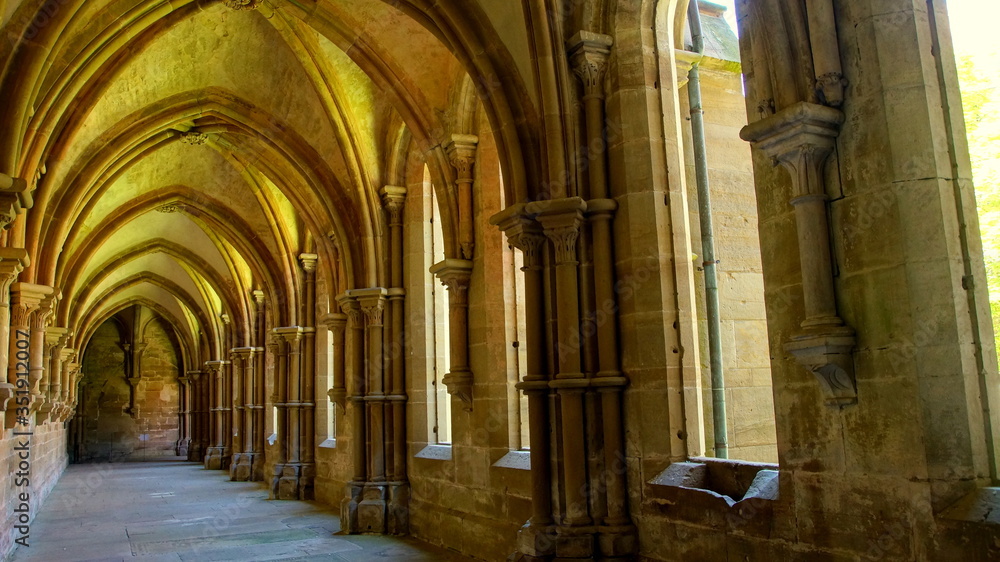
526	280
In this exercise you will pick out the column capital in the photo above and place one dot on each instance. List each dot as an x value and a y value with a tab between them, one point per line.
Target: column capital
308	262
453	272
12	262
45	309
67	353
290	334
15	195
216	366
589	54
258	297
800	138
523	232
684	61
561	219
372	303
241	352
393	199
55	337
461	150
335	322
350	307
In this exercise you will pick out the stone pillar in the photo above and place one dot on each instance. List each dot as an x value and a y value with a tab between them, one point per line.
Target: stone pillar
561	220
253	432
217	454
337	324
258	388
456	274
462	153
26	299
183	416
239	469
55	339
12	262
372	510
293	477
801	138
617	536
536	537
354	491
196	448
394	199
133	375
307	375
66	356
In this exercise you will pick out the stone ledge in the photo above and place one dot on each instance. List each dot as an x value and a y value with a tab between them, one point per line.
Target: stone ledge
518	460
329	444
435	453
981	506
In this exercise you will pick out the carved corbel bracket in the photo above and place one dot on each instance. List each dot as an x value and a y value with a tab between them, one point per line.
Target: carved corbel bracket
14	196
828	356
459	384
800	138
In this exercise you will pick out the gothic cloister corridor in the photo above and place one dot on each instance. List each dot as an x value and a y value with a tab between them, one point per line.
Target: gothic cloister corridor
526	280
155	511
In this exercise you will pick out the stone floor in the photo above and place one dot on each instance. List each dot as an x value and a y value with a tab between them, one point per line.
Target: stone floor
165	510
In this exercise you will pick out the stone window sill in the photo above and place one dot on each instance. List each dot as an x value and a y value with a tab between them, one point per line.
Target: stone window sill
272	439
518	460
980	506
435	453
330	443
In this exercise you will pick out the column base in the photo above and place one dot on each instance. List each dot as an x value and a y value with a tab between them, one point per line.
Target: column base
292	482
618	542
256	467
214	458
535	542
349	508
575	543
398	517
241	469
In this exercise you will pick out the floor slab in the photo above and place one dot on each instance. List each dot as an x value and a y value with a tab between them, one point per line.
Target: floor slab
173	511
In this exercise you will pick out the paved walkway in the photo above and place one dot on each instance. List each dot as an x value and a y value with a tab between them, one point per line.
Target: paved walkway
170	511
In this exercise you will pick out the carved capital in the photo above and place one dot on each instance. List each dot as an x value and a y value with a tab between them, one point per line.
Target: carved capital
461	150
12	263
800	138
15	194
394	198
350	307
455	274
290	334
336	323
523	232
258	297
338	396
308	262
372	303
589	53
561	220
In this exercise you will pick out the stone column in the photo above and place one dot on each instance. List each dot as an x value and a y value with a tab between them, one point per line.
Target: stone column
307	397
12	262
354	491
536	538
561	220
337	324
801	138
246	468
462	153
589	53
372	509
456	274
215	456
240	357
55	339
293	477
184	416
394	199
26	299
133	375
259	388
66	356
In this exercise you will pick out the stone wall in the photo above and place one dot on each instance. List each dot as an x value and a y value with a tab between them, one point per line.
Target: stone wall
109	433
